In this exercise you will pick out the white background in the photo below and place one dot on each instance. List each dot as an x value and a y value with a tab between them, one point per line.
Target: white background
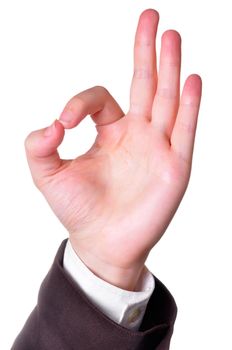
51	50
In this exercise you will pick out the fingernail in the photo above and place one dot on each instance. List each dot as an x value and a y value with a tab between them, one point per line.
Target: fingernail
66	117
49	130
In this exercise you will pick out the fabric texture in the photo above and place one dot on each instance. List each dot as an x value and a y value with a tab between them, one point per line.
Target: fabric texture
65	319
127	308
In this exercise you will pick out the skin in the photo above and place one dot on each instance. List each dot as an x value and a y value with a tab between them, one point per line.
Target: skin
117	199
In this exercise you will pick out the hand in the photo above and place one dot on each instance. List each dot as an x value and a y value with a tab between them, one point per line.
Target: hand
117	200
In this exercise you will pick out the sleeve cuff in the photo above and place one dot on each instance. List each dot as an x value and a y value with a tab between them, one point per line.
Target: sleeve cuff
127	308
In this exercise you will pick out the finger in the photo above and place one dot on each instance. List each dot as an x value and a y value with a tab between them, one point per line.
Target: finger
95	101
183	135
41	150
145	74
166	100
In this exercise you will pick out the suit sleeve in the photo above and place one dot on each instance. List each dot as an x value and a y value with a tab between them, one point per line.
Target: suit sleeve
65	319
128	307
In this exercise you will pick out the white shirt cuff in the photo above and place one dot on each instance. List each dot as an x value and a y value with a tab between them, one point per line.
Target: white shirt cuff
126	308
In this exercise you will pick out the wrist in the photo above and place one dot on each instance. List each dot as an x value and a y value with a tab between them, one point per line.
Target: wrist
121	277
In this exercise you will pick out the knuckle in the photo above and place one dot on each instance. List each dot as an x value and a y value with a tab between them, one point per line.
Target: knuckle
143	73
36	181
167	93
101	89
188	127
75	101
143	43
183	158
27	141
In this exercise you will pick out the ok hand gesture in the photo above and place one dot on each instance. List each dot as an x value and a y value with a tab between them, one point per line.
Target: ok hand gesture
117	200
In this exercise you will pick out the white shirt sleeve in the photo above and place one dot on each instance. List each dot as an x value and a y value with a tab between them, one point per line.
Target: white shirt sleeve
126	308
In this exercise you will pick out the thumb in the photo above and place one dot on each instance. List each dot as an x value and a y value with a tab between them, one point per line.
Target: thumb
41	150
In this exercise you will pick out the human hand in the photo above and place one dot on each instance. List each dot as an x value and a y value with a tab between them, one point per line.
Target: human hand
118	198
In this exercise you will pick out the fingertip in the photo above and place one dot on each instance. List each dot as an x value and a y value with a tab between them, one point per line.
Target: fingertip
65	124
58	132
170	37
44	142
197	78
59	126
49	131
150	13
192	92
55	129
148	21
193	84
67	118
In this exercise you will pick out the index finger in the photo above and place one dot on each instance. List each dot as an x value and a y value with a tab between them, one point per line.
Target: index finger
97	102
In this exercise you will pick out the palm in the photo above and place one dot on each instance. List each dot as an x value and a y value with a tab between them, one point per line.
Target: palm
120	188
118	198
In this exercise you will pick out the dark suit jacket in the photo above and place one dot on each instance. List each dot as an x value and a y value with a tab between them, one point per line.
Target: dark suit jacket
65	319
